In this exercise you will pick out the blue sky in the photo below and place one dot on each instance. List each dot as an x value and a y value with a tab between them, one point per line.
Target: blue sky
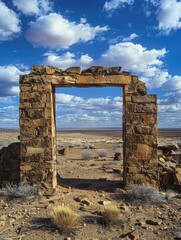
144	37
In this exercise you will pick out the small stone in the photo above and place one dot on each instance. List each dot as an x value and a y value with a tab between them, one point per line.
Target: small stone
86	202
2	223
105	202
151	222
124	207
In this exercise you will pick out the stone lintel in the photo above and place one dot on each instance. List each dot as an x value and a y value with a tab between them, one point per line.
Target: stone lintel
75	80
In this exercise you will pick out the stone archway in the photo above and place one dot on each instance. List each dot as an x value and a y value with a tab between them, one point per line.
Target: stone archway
38	124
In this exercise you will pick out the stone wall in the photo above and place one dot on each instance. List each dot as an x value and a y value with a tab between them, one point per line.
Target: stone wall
140	135
10	163
38	125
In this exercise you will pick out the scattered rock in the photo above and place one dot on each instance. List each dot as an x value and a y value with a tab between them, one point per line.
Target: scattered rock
62	151
105	202
117	156
2	223
177	175
167	148
153	222
133	235
86	202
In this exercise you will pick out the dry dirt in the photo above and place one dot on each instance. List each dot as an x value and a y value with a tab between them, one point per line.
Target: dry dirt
96	180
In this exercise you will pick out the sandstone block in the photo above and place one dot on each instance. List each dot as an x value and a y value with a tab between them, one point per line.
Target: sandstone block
144	99
145	108
33	150
143	151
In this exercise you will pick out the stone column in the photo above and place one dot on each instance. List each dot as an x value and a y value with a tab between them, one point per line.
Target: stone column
37	131
139	135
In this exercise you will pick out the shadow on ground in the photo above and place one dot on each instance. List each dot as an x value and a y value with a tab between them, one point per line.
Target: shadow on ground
90	184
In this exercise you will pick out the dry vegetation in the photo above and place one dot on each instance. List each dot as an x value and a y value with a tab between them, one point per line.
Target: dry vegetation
86	183
63	217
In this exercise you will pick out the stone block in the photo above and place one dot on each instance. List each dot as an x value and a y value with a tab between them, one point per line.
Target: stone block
144	99
26	168
141	129
33	150
37	70
143	151
52	70
145	108
141	89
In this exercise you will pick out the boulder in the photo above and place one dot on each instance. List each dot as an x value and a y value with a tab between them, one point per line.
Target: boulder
177	175
62	151
168	148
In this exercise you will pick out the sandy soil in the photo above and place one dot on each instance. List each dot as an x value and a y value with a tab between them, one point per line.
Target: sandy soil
96	180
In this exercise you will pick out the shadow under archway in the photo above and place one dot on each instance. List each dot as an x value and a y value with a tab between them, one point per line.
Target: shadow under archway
90	184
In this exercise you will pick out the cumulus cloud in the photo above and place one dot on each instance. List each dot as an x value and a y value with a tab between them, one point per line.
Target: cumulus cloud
174	83
169	15
33	7
77	111
131	37
9	80
66	60
115	4
9	23
9	117
134	57
54	31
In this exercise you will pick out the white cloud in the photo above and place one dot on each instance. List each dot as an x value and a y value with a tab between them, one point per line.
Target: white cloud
131	37
76	111
138	59
9	117
33	7
68	99
9	23
54	31
67	60
9	80
174	83
115	4
169	15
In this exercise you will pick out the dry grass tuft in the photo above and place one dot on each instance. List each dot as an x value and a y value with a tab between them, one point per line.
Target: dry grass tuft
86	154
63	217
111	213
102	152
144	194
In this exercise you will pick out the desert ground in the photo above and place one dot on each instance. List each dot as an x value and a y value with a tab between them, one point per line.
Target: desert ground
87	181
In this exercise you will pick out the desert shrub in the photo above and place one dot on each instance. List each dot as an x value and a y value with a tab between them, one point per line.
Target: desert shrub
144	194
111	213
86	145
19	190
86	154
63	217
102	152
118	150
117	146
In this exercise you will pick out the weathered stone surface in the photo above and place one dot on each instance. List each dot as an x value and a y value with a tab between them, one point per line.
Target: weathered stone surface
62	151
177	175
145	108
37	121
167	148
143	151
10	163
144	99
141	129
74	70
141	89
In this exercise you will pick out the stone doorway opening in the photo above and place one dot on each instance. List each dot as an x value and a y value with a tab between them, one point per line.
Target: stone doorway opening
89	137
38	125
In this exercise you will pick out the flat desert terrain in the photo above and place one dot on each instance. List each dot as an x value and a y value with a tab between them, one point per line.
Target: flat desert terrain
88	179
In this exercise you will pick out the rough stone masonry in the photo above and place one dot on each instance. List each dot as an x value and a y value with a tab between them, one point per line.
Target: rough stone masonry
38	123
